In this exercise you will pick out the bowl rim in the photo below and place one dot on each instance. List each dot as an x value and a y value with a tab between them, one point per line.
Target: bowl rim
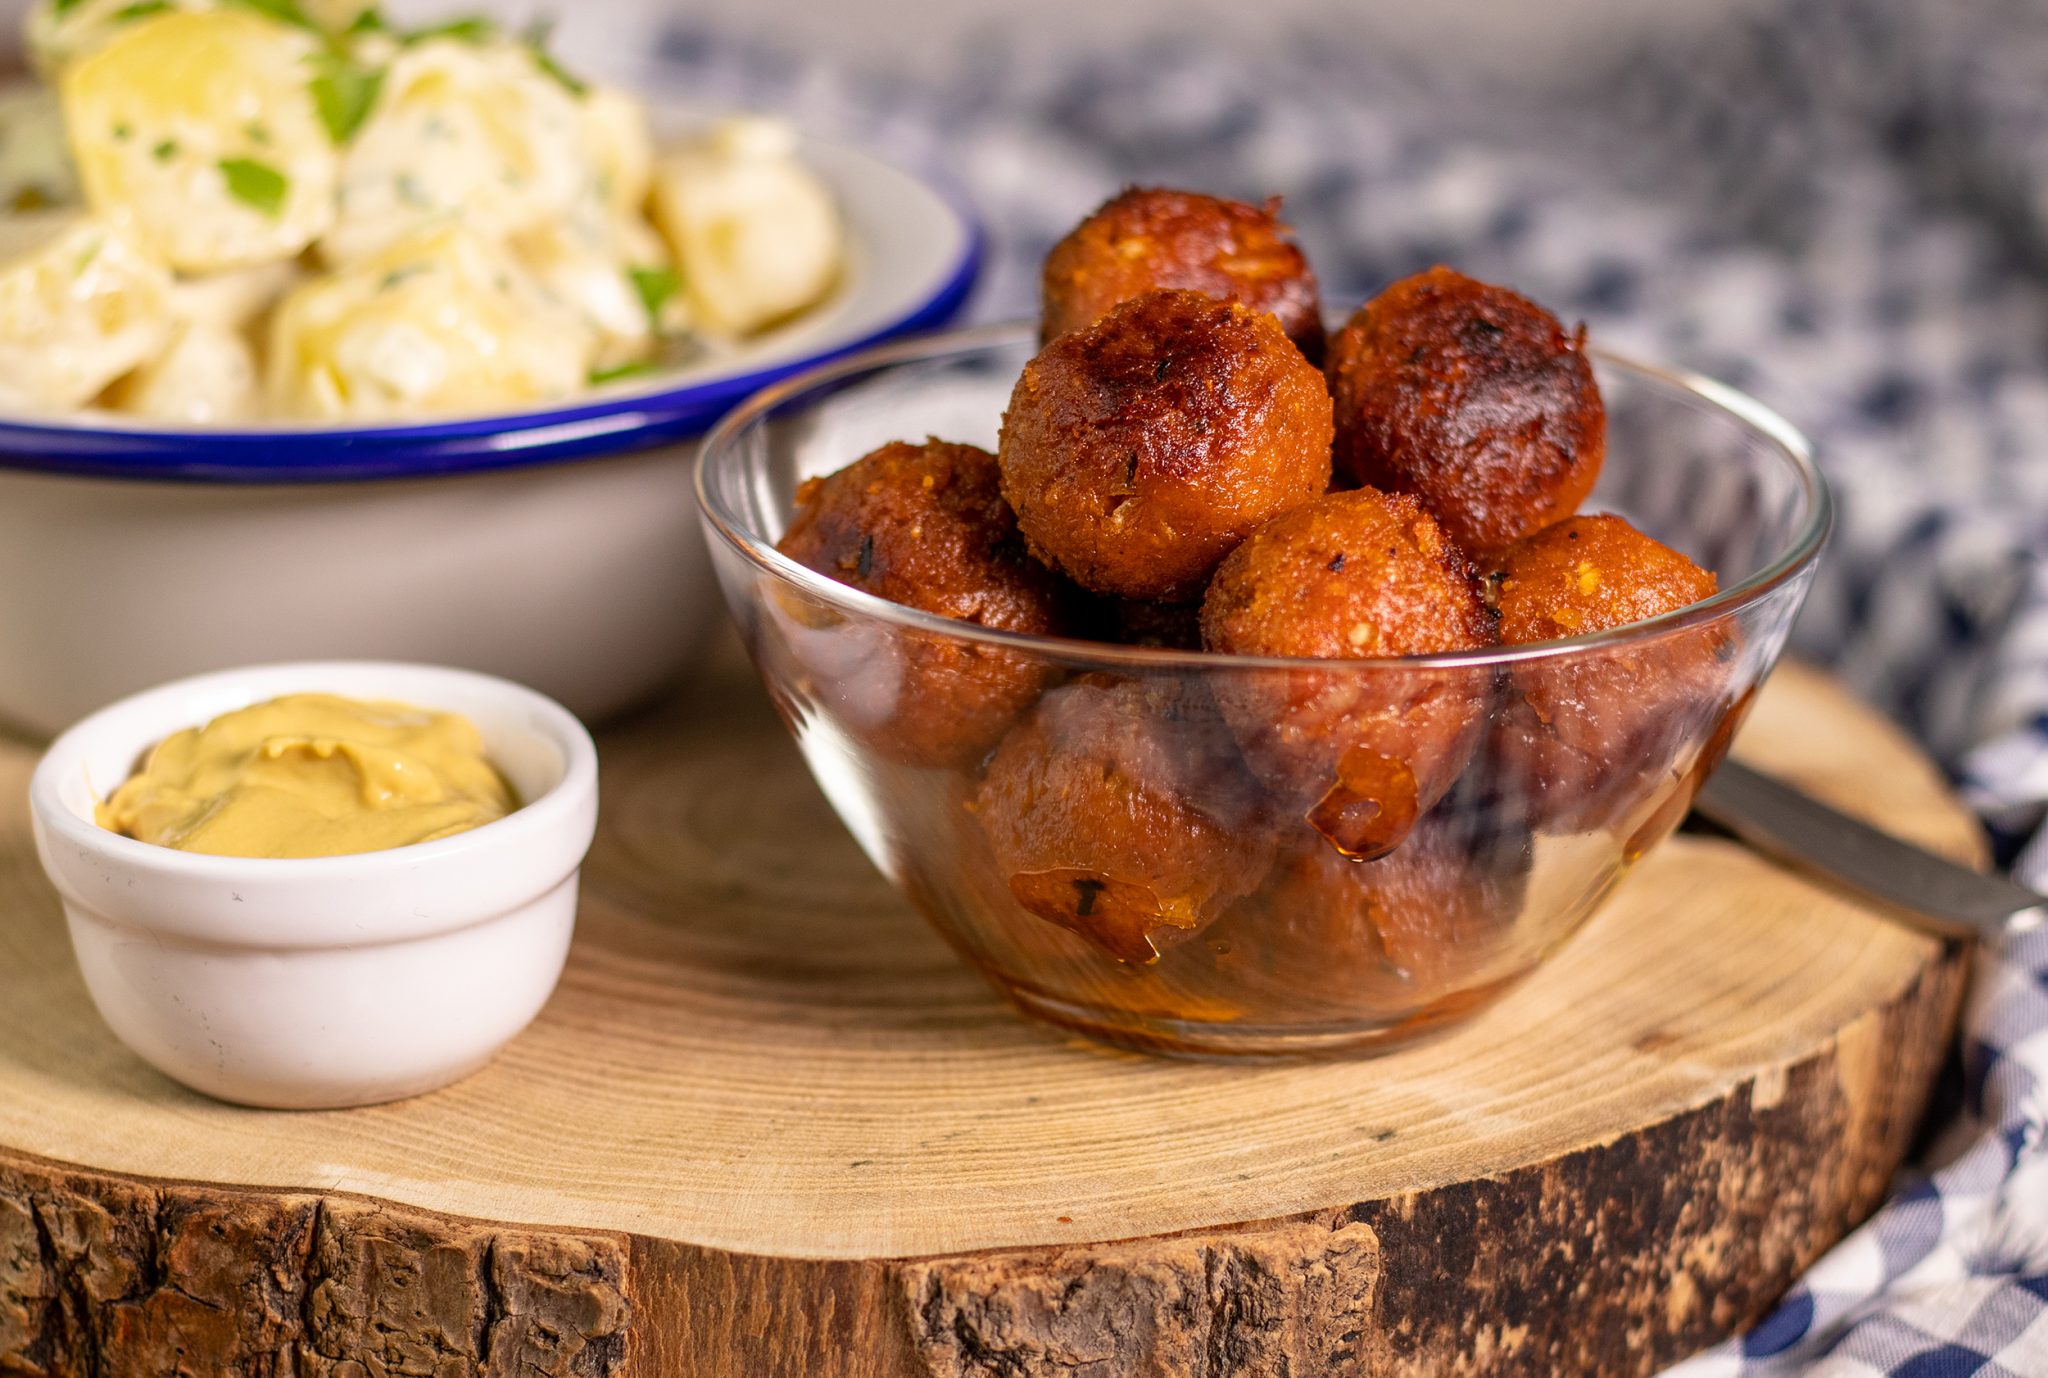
1799	556
600	421
548	812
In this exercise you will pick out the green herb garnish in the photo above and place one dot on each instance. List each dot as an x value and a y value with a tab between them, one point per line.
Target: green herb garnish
165	151
537	35
283	11
599	376
469	29
141	9
257	185
344	93
370	20
655	286
124	132
60	8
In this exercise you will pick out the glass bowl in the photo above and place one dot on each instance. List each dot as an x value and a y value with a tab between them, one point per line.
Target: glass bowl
1213	855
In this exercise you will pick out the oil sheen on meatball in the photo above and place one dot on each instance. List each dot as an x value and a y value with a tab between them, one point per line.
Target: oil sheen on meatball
1474	399
1354	575
1581	735
1140	450
926	526
1149	237
1119	809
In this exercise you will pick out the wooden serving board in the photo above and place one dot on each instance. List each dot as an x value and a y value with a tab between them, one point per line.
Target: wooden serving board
770	1125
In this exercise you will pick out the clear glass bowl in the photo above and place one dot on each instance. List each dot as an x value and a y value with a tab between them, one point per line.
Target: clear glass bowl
1134	855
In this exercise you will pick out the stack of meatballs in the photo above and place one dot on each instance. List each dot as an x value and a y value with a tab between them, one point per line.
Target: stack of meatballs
1189	463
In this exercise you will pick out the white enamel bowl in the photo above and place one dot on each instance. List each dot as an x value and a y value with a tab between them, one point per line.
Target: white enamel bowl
557	547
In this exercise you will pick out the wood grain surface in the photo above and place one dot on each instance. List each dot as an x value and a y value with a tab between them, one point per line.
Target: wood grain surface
770	1125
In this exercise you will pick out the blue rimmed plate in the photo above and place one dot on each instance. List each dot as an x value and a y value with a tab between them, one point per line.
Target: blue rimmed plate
914	252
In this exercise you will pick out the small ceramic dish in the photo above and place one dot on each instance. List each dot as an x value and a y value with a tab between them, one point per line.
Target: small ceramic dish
335	981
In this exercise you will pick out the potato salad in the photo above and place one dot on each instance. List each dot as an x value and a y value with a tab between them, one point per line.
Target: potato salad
235	210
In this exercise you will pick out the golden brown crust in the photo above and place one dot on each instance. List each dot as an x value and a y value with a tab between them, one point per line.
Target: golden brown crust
1148	238
1140	450
1583	736
1355	575
926	526
1473	398
1119	809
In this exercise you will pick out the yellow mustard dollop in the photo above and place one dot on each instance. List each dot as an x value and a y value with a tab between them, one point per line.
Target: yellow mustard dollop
311	775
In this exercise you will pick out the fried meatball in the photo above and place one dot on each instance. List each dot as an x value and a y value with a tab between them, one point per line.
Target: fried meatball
1580	735
1474	399
1119	809
1379	938
1355	575
925	526
1138	451
1148	238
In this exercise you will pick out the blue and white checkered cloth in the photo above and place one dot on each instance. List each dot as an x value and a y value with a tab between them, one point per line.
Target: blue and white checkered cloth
1840	205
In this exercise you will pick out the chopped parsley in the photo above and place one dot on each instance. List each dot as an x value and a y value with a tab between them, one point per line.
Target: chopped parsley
344	93
469	29
256	185
141	9
655	286
124	132
258	134
60	8
165	151
370	20
599	376
537	35
283	11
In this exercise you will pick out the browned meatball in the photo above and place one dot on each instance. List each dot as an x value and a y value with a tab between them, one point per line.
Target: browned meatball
1377	939
1119	809
1149	237
1583	735
926	526
1474	399
1360	753
1140	450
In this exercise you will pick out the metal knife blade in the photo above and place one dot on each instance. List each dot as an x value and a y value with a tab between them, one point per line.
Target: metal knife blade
1798	830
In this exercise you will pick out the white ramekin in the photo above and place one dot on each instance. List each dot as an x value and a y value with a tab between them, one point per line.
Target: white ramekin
332	981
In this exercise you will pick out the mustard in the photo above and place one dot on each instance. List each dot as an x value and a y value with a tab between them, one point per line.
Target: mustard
311	775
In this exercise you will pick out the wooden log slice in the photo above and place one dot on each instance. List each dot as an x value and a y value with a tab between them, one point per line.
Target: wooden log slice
770	1125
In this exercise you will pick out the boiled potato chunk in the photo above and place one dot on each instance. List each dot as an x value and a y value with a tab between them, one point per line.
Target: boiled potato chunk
59	32
201	125
613	270
233	299
462	128
80	304
207	373
445	320
35	159
618	148
755	234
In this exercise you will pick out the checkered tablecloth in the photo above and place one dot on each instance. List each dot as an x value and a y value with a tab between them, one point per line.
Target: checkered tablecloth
1840	205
